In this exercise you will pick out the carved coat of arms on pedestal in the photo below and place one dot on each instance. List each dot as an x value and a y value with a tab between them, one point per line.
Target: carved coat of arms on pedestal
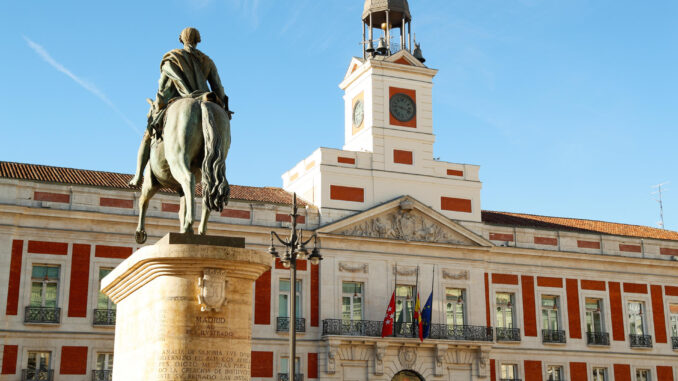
212	289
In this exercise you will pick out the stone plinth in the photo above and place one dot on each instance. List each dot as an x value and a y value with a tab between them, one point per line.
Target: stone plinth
184	309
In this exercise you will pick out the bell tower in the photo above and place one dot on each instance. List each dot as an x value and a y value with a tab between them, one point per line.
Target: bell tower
388	131
388	92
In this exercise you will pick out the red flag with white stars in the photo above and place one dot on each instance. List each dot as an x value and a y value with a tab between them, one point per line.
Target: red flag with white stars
387	326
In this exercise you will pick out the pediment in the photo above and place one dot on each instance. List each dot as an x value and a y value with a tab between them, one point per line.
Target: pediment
405	58
405	219
353	66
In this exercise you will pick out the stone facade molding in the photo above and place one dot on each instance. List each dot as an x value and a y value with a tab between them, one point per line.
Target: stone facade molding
354	267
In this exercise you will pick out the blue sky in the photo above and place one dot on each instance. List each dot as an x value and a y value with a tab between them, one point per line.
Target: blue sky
570	107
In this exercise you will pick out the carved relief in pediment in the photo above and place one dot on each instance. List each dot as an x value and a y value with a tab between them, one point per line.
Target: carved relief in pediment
406	225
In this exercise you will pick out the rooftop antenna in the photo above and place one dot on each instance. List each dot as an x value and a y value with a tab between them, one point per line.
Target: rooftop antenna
661	204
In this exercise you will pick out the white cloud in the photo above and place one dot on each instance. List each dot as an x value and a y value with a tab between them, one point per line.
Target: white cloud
87	86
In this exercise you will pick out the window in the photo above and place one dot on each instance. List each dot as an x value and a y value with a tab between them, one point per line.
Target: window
636	320
103	301
105	361
404	303
38	367
550	313
44	286
284	299
554	373
104	369
352	301
673	319
285	365
594	315
643	375
505	317
599	374
508	372
455	311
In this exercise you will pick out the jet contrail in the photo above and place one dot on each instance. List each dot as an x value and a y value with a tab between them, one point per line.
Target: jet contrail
87	86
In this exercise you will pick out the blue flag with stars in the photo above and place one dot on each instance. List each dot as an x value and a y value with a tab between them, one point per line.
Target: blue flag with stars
426	316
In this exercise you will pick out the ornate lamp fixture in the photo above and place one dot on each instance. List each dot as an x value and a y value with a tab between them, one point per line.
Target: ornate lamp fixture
295	248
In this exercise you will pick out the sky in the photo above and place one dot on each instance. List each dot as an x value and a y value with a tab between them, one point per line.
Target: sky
570	107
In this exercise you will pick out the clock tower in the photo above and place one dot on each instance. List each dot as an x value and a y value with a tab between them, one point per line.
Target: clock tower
388	131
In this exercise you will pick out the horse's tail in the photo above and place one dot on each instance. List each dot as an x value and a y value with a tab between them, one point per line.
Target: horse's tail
215	189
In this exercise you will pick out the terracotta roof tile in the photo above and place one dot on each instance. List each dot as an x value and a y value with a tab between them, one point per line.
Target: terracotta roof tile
576	225
60	175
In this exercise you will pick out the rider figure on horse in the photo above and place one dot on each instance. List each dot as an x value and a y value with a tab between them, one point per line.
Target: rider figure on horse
183	73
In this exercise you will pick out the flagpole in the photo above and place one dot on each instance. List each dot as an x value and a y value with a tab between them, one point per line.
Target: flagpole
395	288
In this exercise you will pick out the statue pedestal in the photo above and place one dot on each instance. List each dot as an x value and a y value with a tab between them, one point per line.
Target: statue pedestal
184	309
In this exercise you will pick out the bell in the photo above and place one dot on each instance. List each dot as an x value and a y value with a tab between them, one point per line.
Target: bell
417	53
381	48
370	47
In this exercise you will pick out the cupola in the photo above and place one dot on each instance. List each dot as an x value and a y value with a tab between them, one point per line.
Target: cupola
385	16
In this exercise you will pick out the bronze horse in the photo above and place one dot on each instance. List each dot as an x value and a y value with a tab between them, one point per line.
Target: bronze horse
194	145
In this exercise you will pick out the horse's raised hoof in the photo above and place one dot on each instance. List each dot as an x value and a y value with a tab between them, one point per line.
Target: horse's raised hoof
140	236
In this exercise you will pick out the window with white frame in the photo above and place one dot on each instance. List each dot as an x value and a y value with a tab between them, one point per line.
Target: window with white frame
643	375
594	315
284	299
44	286
599	374
673	319
455	310
285	365
636	312
352	301
103	301
505	309
554	373
404	303
105	361
38	365
550	312
508	372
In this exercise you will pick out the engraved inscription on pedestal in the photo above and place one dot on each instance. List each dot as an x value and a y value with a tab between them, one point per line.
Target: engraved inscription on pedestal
203	364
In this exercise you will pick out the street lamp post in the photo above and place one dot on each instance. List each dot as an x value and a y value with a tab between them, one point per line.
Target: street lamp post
295	248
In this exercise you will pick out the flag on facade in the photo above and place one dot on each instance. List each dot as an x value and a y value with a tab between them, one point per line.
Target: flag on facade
387	326
426	314
417	317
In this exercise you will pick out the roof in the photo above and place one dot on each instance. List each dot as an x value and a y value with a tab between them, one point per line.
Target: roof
397	9
72	176
576	225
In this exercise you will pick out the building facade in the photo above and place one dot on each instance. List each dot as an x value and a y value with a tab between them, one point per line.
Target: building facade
514	296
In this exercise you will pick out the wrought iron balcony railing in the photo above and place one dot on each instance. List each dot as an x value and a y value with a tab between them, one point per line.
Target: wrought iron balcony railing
104	317
286	377
282	324
437	331
597	338
674	342
640	341
102	375
464	332
37	375
42	315
508	334
553	336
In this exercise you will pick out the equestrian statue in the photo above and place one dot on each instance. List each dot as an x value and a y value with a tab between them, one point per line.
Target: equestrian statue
187	137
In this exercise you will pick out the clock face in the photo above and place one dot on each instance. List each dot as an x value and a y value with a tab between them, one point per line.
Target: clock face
402	107
358	113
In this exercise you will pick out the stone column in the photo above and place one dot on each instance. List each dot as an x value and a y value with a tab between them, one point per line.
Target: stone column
184	309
